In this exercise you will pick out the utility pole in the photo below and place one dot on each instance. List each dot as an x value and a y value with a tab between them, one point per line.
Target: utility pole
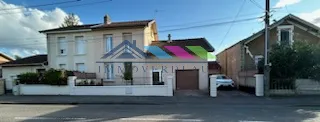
266	50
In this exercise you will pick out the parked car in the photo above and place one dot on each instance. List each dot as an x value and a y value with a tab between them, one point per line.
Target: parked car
224	81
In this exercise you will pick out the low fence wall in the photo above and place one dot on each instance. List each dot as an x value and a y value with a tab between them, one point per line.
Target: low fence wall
43	90
300	87
71	89
143	90
247	78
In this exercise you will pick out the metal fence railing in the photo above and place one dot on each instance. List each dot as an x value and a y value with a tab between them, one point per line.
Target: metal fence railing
282	84
294	87
118	81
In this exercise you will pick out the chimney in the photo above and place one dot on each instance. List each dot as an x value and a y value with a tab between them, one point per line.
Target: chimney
169	38
107	19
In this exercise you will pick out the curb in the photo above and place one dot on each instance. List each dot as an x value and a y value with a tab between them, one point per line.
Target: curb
78	103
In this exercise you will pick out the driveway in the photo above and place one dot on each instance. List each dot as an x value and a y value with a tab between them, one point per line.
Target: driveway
190	93
233	93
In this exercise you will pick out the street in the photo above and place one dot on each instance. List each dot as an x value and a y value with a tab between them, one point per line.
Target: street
177	112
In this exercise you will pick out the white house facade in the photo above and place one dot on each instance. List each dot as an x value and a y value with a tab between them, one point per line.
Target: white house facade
84	48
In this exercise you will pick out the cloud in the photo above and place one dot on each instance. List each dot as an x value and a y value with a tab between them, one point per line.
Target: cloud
283	3
19	27
312	17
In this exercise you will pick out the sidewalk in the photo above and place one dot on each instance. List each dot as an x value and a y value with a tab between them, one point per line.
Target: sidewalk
287	101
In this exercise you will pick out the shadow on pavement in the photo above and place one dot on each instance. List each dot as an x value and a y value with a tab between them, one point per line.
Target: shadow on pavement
197	113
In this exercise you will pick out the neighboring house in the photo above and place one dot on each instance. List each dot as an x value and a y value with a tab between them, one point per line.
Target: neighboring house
109	48
240	60
3	59
10	70
214	68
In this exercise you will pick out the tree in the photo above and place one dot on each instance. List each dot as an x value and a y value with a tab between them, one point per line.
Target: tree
302	60
127	75
17	57
70	20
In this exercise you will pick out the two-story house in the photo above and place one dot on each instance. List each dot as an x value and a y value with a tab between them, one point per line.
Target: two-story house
241	59
108	48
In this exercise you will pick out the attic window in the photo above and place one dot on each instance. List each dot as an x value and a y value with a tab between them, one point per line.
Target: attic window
285	35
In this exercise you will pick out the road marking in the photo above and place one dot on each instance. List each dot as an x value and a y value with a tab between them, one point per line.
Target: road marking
48	118
253	121
121	119
155	119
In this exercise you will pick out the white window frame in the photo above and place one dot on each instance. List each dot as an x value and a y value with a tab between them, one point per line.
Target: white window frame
109	76
107	47
59	65
77	46
76	67
290	28
131	41
64	41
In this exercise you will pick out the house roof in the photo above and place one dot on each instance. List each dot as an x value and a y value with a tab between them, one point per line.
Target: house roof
76	27
36	60
6	57
185	42
138	23
112	25
214	65
296	19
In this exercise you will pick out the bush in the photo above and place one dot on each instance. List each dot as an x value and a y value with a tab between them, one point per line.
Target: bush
50	77
29	78
283	60
55	77
302	60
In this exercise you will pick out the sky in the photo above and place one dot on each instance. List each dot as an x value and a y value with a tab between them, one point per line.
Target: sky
20	20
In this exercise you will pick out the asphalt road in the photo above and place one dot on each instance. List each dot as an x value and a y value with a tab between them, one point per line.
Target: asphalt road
163	113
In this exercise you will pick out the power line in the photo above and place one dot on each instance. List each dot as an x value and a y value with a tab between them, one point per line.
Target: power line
257	4
223	18
229	29
175	29
99	38
69	6
41	5
213	24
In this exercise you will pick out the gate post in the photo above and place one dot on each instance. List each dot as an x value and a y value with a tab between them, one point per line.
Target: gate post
213	86
259	85
71	84
170	85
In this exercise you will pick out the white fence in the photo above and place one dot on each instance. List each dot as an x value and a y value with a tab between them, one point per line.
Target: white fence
300	87
71	89
43	90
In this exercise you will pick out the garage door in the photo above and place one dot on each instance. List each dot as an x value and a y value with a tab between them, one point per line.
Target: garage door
187	79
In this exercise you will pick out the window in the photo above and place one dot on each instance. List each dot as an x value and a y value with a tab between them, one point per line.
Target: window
41	71
156	77
285	35
62	66
80	67
80	45
109	71
221	77
63	44
128	37
108	44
